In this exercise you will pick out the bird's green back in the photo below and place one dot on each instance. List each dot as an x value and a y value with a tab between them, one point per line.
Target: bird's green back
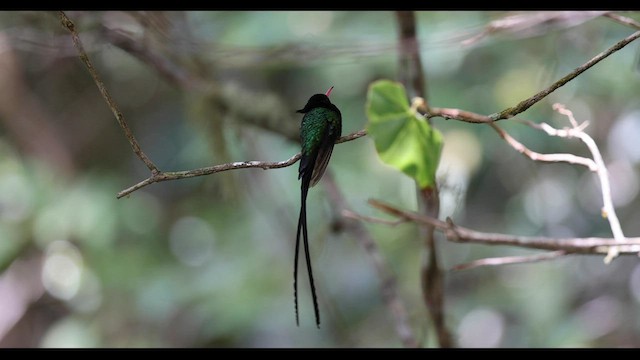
313	127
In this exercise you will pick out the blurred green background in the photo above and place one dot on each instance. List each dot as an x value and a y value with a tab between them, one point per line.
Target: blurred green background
207	261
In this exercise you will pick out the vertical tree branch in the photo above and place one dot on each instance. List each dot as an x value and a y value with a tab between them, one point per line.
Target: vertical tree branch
410	68
432	276
388	284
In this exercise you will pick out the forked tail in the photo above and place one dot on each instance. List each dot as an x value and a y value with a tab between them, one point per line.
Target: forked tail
302	224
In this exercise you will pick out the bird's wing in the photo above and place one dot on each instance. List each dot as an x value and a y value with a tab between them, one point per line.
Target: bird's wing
324	154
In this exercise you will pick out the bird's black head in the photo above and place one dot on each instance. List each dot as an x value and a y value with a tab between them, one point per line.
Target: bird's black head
318	100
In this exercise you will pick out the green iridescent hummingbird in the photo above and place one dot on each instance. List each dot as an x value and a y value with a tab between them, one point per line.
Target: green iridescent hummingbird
320	128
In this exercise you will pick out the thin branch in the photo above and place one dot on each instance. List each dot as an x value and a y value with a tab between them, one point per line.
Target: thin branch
351	215
352	136
608	211
69	25
174	175
473	264
507	260
165	176
532	23
475	118
455	233
623	20
597	164
456	114
525	104
388	283
535	156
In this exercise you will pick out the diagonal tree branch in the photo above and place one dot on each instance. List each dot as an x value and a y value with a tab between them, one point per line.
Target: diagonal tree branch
530	23
623	20
535	156
507	260
525	104
69	25
455	233
174	175
351	215
471	117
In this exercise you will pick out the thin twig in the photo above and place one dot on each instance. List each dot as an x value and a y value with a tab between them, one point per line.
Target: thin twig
456	114
623	20
507	260
352	136
388	283
351	215
525	104
535	156
608	211
174	175
455	233
532	23
69	25
475	118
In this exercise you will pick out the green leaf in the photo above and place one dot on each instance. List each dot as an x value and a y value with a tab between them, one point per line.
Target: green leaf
402	138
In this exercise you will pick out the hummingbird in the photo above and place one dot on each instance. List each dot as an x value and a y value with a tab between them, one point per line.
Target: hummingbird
321	126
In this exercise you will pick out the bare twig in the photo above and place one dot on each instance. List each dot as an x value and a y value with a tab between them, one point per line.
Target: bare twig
532	23
351	215
69	25
456	114
388	283
535	156
471	117
510	260
352	136
455	233
597	164
525	104
608	211
174	175
623	20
